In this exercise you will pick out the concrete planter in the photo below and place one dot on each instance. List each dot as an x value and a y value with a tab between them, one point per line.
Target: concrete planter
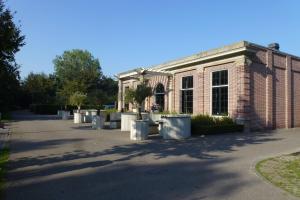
139	130
145	116
89	115
154	118
115	116
114	124
103	114
97	122
65	115
175	127
126	119
59	113
78	118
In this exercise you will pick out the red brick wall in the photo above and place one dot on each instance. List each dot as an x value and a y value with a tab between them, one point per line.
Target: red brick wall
295	93
258	95
279	98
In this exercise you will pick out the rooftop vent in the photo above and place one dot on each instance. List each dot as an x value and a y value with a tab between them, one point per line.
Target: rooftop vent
274	46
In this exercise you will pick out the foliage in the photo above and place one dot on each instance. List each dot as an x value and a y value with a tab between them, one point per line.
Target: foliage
77	99
129	96
108	112
141	93
40	88
11	40
51	109
78	70
205	124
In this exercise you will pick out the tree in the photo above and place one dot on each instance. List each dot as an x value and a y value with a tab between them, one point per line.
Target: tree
77	99
40	88
141	93
76	70
129	96
11	40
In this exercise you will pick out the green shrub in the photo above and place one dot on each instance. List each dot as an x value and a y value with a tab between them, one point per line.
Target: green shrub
47	109
108	111
205	124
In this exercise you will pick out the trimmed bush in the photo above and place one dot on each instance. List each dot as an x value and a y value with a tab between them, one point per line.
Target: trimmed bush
108	111
205	124
46	109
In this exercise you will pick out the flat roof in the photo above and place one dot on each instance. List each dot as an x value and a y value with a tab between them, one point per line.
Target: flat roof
204	55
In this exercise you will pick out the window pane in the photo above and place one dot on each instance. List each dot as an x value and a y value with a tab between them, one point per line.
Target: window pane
215	78
220	101
187	101
220	78
159	88
187	82
160	101
224	77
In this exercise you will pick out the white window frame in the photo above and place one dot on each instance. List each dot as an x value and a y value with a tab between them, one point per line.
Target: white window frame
181	89
211	90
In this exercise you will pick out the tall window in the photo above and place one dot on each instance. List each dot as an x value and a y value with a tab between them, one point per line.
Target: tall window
220	92
187	95
160	97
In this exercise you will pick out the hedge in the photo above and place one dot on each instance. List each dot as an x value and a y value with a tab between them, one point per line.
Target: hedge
46	109
205	124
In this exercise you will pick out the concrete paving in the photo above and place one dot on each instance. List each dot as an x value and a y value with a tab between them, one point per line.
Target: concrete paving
56	159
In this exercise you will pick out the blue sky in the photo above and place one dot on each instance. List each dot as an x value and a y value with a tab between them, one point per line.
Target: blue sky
127	34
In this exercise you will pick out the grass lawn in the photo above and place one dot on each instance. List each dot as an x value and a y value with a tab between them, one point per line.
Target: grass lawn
282	171
3	164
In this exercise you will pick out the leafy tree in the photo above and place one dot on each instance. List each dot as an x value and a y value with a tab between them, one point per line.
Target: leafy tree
137	96
76	70
129	96
40	88
77	99
11	40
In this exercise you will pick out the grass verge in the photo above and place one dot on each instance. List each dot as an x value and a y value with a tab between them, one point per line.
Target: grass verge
4	154
282	171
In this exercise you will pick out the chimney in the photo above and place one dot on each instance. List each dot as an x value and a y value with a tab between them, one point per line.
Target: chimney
274	46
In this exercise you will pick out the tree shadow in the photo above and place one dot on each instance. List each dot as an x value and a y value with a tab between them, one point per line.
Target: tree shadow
173	180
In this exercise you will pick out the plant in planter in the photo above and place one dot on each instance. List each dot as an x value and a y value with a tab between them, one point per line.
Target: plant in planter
140	128
129	97
77	99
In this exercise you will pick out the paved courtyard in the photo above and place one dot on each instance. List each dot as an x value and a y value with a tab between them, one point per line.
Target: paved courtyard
56	159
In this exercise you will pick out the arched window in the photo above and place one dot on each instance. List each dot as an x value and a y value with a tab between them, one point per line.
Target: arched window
160	96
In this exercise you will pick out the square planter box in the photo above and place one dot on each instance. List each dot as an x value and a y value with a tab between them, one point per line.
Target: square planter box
175	127
65	115
139	130
114	124
126	119
98	122
78	118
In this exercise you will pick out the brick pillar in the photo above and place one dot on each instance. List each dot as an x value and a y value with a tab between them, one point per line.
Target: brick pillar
243	90
120	96
201	91
288	93
170	94
269	91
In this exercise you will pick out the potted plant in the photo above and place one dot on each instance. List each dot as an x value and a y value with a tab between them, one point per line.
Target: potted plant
140	128
77	99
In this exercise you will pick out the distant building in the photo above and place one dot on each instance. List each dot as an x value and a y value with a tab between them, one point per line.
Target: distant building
256	85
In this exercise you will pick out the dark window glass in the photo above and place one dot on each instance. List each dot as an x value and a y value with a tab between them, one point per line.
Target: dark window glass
187	82
160	97
220	93
187	101
220	78
187	95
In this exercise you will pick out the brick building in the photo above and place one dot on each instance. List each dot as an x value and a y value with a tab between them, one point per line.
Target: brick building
256	85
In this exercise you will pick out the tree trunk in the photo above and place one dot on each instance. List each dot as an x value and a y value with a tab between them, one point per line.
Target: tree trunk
139	113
